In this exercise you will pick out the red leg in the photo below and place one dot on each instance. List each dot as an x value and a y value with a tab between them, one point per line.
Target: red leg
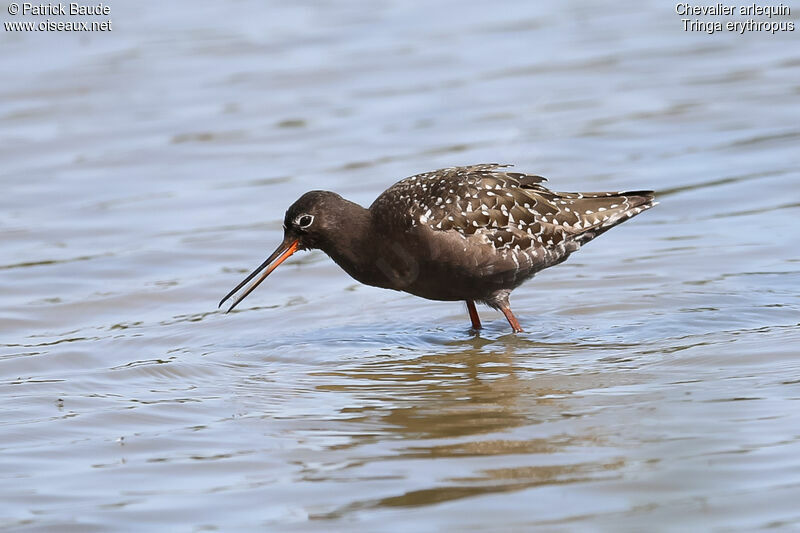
512	319
473	315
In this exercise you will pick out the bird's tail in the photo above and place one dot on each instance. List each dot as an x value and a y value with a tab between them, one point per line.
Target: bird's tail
601	211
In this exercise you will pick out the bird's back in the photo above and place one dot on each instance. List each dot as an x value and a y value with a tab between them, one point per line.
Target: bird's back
497	226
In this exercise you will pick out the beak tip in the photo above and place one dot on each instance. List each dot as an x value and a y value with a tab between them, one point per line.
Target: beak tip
278	256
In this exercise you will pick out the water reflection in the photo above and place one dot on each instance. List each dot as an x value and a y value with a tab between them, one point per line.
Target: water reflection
434	396
470	413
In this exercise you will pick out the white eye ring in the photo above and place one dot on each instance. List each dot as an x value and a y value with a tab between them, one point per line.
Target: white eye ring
302	217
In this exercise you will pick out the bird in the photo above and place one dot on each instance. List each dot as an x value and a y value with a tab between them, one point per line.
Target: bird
465	233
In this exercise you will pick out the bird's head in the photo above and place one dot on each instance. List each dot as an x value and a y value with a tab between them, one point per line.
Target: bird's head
307	225
312	219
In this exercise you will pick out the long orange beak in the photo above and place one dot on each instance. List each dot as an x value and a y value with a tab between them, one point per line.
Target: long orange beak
281	254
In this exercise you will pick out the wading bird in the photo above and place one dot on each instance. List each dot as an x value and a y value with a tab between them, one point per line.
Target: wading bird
470	233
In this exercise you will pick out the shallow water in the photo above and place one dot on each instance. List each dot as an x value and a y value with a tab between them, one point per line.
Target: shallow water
146	171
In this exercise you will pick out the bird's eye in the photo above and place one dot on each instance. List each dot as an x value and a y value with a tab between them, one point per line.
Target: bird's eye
304	221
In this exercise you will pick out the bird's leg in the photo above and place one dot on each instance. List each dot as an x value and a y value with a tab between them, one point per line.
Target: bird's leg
511	319
473	315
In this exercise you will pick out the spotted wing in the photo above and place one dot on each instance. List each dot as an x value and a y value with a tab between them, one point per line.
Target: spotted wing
527	225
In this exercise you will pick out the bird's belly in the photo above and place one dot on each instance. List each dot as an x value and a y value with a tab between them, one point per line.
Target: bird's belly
441	269
444	269
431	279
441	281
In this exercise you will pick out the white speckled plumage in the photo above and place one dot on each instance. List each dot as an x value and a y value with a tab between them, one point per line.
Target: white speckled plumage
525	223
470	233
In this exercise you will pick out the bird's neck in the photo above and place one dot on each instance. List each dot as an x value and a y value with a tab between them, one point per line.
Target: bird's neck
353	247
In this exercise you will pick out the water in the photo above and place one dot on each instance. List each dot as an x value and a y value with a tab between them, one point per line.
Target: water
146	171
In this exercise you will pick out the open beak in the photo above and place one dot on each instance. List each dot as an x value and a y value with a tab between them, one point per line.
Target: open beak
281	254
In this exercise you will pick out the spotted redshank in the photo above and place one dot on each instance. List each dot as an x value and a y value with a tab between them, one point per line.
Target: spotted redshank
470	233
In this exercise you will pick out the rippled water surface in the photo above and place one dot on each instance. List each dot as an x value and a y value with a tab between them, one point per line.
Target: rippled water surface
145	171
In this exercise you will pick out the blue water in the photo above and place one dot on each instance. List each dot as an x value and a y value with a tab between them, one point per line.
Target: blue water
145	171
